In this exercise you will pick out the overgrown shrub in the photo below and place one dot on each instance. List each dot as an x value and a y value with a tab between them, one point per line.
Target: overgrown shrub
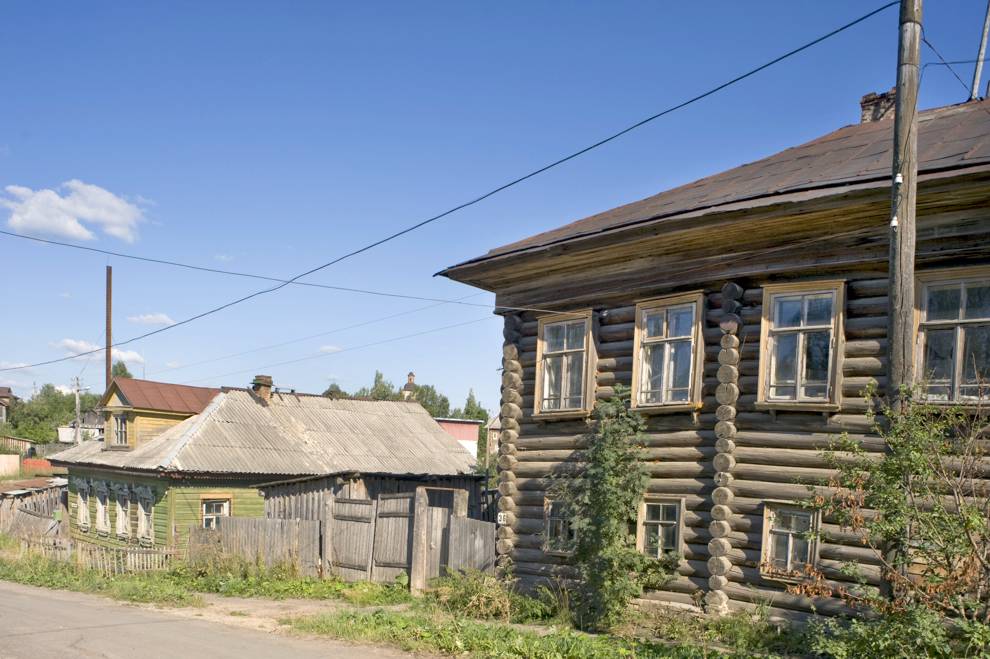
486	597
602	500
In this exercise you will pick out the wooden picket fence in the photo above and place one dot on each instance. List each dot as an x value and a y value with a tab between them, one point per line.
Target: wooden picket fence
108	561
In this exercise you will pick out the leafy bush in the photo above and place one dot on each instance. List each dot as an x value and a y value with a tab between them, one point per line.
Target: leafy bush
486	597
603	500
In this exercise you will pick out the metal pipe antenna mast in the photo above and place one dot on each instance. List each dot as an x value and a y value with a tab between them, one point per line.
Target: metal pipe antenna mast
108	361
978	71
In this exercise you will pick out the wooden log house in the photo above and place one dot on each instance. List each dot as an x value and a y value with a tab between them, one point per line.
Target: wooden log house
748	312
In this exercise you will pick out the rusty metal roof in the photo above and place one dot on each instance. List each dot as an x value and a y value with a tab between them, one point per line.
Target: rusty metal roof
293	434
951	137
164	396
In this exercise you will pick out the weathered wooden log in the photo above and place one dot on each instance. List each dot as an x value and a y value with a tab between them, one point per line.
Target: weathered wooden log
860	366
725	430
727	374
721	512
725	445
729	357
506	503
508	436
778	474
723	479
504	546
729	342
609	378
732	291
507	448
507	489
865	348
511	380
717	582
720	529
505	533
511	396
727	393
799	439
510	411
719	565
722	496
510	423
784	457
621	363
725	413
719	547
510	351
730	323
724	462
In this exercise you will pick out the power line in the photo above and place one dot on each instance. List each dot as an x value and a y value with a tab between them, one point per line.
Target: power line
311	336
480	198
337	352
943	61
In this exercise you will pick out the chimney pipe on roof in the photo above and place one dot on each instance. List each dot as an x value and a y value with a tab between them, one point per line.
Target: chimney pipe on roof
262	385
876	107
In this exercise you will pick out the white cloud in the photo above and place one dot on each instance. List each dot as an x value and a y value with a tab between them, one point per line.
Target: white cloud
223	258
48	212
330	349
78	346
62	389
151	319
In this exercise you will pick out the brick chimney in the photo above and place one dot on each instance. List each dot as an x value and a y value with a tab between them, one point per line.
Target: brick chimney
262	386
410	386
877	107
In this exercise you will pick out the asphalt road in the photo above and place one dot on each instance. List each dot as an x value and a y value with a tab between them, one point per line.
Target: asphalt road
36	623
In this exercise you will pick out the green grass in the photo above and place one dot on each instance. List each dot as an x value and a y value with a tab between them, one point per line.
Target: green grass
438	633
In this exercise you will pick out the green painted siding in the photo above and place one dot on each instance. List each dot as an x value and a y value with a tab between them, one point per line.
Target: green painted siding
187	504
177	506
159	489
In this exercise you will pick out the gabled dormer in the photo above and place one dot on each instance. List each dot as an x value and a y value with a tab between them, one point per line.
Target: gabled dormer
138	410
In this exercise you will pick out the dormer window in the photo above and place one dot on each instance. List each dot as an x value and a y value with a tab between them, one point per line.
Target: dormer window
119	430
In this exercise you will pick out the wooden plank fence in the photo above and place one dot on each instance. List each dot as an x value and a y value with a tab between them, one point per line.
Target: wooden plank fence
43	502
26	523
292	543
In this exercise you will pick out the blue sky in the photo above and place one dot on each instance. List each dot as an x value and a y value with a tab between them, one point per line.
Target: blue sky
271	137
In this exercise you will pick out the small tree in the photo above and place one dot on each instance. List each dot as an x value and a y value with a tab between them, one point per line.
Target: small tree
119	370
334	391
381	389
602	499
432	400
923	509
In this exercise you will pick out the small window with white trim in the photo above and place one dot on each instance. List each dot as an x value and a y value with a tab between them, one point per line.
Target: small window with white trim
102	510
82	507
559	534
954	339
800	332
119	430
667	365
562	347
123	515
659	531
214	509
790	547
146	519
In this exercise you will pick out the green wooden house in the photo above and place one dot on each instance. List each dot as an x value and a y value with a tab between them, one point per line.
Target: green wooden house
149	492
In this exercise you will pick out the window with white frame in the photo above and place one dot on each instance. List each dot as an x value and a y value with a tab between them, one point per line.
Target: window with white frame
667	354
789	544
560	535
800	332
563	348
146	519
123	515
214	509
82	506
659	530
954	339
102	509
120	430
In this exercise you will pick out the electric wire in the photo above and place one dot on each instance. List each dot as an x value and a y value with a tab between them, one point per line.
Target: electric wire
482	197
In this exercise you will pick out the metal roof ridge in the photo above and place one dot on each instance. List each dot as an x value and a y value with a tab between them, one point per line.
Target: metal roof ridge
187	436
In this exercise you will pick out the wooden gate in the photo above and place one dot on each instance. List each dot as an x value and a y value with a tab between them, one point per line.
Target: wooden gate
470	544
349	537
393	536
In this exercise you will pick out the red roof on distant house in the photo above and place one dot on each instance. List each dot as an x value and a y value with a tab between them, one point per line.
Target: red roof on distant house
164	396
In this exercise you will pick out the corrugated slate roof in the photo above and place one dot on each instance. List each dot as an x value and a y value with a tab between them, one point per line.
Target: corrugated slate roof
292	435
149	395
950	137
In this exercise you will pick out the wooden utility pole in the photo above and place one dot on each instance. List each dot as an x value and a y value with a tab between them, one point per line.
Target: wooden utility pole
904	189
109	354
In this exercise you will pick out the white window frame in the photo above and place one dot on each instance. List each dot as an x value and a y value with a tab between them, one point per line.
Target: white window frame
214	516
587	382
960	277
122	514
549	547
797	573
83	520
641	342
119	429
102	509
642	523
768	332
146	519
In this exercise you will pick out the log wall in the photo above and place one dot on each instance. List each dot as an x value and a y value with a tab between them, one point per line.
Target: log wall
730	457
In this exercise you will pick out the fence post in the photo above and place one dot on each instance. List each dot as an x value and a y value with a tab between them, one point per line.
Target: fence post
460	507
327	530
418	564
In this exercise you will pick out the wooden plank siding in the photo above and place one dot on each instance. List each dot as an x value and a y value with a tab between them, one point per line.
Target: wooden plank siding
775	455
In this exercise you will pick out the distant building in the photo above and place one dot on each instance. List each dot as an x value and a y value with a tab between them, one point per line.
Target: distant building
91	428
465	431
7	399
